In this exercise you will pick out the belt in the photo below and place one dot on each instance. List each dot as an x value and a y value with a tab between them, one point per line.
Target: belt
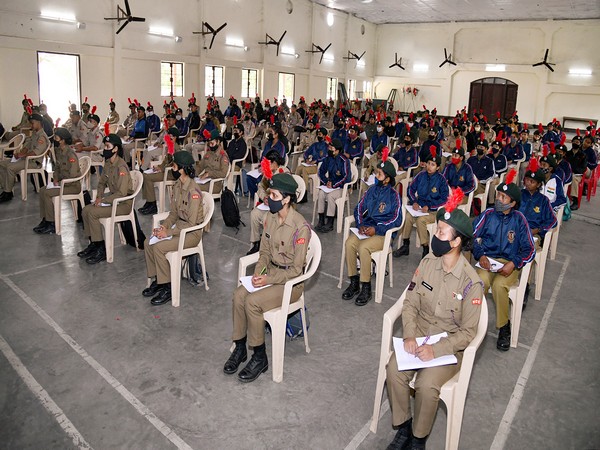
280	267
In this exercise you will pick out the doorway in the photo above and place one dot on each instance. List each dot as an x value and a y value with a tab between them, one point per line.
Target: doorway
493	95
59	83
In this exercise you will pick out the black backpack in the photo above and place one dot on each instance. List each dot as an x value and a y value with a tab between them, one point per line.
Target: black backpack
191	270
230	210
127	231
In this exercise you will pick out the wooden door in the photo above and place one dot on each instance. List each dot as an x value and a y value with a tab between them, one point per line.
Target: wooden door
492	95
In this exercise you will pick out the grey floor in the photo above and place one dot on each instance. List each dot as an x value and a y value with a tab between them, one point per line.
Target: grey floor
115	372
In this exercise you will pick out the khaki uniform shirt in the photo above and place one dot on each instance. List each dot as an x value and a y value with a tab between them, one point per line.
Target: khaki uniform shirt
326	121
438	301
213	165
449	143
490	136
283	247
116	177
249	128
36	143
66	166
374	162
130	120
113	118
306	140
93	138
79	131
186	207
294	119
168	159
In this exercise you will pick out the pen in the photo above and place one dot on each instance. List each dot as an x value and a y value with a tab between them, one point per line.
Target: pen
262	272
425	341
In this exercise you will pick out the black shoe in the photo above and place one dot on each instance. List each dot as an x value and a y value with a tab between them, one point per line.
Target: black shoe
404	250
321	222
41	225
48	229
144	207
328	225
257	365
425	251
365	294
503	343
526	297
417	443
99	254
402	439
255	248
6	197
238	356
88	250
152	209
574	204
163	295
353	289
151	290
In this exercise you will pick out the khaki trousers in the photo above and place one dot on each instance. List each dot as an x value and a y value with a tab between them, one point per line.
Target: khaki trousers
362	248
148	192
157	264
428	384
421	223
92	215
500	286
195	149
9	170
257	217
576	180
248	310
305	172
330	199
151	155
46	203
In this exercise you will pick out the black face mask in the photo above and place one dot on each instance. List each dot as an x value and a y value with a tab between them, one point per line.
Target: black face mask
246	118
575	145
330	153
320	138
176	174
275	206
439	247
236	135
213	148
407	143
56	144
480	151
107	154
456	133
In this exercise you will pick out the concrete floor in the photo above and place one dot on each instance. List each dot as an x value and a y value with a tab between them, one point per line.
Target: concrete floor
115	372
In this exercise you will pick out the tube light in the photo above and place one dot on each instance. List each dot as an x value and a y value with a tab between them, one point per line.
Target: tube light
161	32
235	42
330	19
58	17
580	72
418	67
289	51
495	68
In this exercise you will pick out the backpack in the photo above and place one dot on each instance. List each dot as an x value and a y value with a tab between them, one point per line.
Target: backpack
191	270
567	211
127	231
252	155
293	327
230	210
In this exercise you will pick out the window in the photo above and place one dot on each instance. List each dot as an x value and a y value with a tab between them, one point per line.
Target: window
367	87
331	89
58	81
286	85
171	79
249	82
213	81
351	89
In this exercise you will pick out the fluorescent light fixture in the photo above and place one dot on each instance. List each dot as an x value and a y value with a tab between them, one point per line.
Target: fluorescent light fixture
289	51
366	1
165	32
236	42
329	58
419	67
581	72
360	63
330	19
58	16
495	68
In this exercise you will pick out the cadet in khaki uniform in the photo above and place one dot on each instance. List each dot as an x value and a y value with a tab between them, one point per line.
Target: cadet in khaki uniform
116	178
186	211
445	295
113	118
157	152
76	127
282	257
92	140
307	138
34	145
214	164
22	125
66	166
129	121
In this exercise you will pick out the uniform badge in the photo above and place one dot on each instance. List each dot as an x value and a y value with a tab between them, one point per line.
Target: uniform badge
382	207
505	187
536	209
511	236
457	296
461	178
447	216
300	241
122	174
268	235
476	301
434	189
338	173
195	196
412	285
427	286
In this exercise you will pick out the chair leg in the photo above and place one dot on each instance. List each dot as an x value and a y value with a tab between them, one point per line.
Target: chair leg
379	279
202	262
135	236
390	268
304	329
109	241
278	349
455	410
23	176
378	397
515	318
57	215
175	267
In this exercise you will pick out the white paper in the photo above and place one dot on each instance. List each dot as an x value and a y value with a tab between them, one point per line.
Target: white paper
495	266
14	159
202	180
358	235
406	361
254	173
51	185
247	283
152	147
415	213
105	204
446	154
153	240
308	165
326	189
126	142
151	170
400	172
263	207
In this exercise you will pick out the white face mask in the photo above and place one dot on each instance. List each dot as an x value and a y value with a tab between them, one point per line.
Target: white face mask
150	113
379	129
178	117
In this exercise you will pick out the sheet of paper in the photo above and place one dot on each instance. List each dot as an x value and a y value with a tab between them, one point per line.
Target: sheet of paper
308	165
105	204
247	283
358	235
202	180
414	213
446	154
152	147
263	207
14	159
370	181
51	185
406	361
400	172
153	240
495	266
254	173
326	189
149	171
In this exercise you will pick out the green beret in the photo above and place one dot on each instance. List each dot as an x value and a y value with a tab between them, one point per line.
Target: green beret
215	134
337	144
388	168
458	151
437	159
183	159
64	134
457	219
379	148
114	140
283	182
550	159
36	116
173	131
512	190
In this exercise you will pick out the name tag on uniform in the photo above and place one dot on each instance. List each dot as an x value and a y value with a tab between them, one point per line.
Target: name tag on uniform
268	235
426	286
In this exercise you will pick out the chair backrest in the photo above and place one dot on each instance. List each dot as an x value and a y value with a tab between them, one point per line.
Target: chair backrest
84	165
301	187
469	353
17	141
208	206
394	163
138	180
313	255
354	171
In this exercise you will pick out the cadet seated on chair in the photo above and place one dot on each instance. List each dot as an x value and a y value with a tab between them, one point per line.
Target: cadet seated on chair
334	172
379	210
283	249
406	156
141	130
34	145
445	295
375	162
116	178
214	164
66	166
353	148
92	140
186	211
458	173
313	155
553	183
502	233
158	174
482	166
427	192
158	152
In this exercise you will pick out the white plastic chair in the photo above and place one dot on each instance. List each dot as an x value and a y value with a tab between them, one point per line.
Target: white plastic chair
213	181
467	207
556	231
315	181
84	167
453	393
176	257
136	152
405	182
516	294
540	263
301	191
483	197
277	317
379	258
23	174
162	187
15	144
233	174
108	223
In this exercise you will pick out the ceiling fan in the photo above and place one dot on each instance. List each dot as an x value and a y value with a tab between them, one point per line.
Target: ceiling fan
125	15
447	58
319	49
545	62
207	29
354	55
271	41
398	62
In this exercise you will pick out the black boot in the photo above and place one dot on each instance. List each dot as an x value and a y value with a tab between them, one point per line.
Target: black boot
6	197
151	209
48	229
151	290
88	250
238	356
353	289
163	295
99	254
255	248
574	204
403	437
321	222
403	250
257	365
41	225
526	297
503	343
425	251
143	207
365	294
417	443
328	225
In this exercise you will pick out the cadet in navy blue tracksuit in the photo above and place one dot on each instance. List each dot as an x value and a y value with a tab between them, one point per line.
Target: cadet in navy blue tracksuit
459	174
535	206
406	156
354	146
482	166
553	185
379	210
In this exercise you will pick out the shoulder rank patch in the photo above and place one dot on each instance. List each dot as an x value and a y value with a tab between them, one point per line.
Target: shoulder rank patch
195	196
426	286
476	301
41	141
71	159
301	241
412	285
122	174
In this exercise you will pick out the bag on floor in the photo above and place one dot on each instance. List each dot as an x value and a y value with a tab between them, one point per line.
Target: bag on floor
252	155
87	199
191	270
293	327
127	231
230	210
567	211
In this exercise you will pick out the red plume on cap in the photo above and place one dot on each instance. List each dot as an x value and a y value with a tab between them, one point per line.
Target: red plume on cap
94	109
578	131
455	199
499	136
540	127
29	110
552	148
385	153
165	102
206	134
129	100
475	119
318	126
272	119
511	176
497	114
85	100
57	123
170	144
593	133
193	96
525	126
30	102
111	100
533	166
407	129
265	164
554	120
458	144
424	107
411	116
514	114
328	139
135	100
482	135
378	117
25	96
433	151
545	151
235	120
106	128
485	119
149	104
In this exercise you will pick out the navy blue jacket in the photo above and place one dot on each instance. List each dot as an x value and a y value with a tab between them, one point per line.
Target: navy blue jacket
592	159
341	134
153	123
354	148
380	207
506	236
483	168
279	147
559	191
406	157
551	136
564	171
335	169
317	150
192	121
513	153
500	163
428	190
233	110
462	178
140	129
376	140
538	211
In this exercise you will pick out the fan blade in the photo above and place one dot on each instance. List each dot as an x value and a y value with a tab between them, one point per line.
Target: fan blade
221	27
363	54
122	26
537	64
401	67
321	58
546	54
452	62
445	61
111	18
212	40
281	38
127	7
391	66
137	19
211	29
445	54
327	48
549	67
